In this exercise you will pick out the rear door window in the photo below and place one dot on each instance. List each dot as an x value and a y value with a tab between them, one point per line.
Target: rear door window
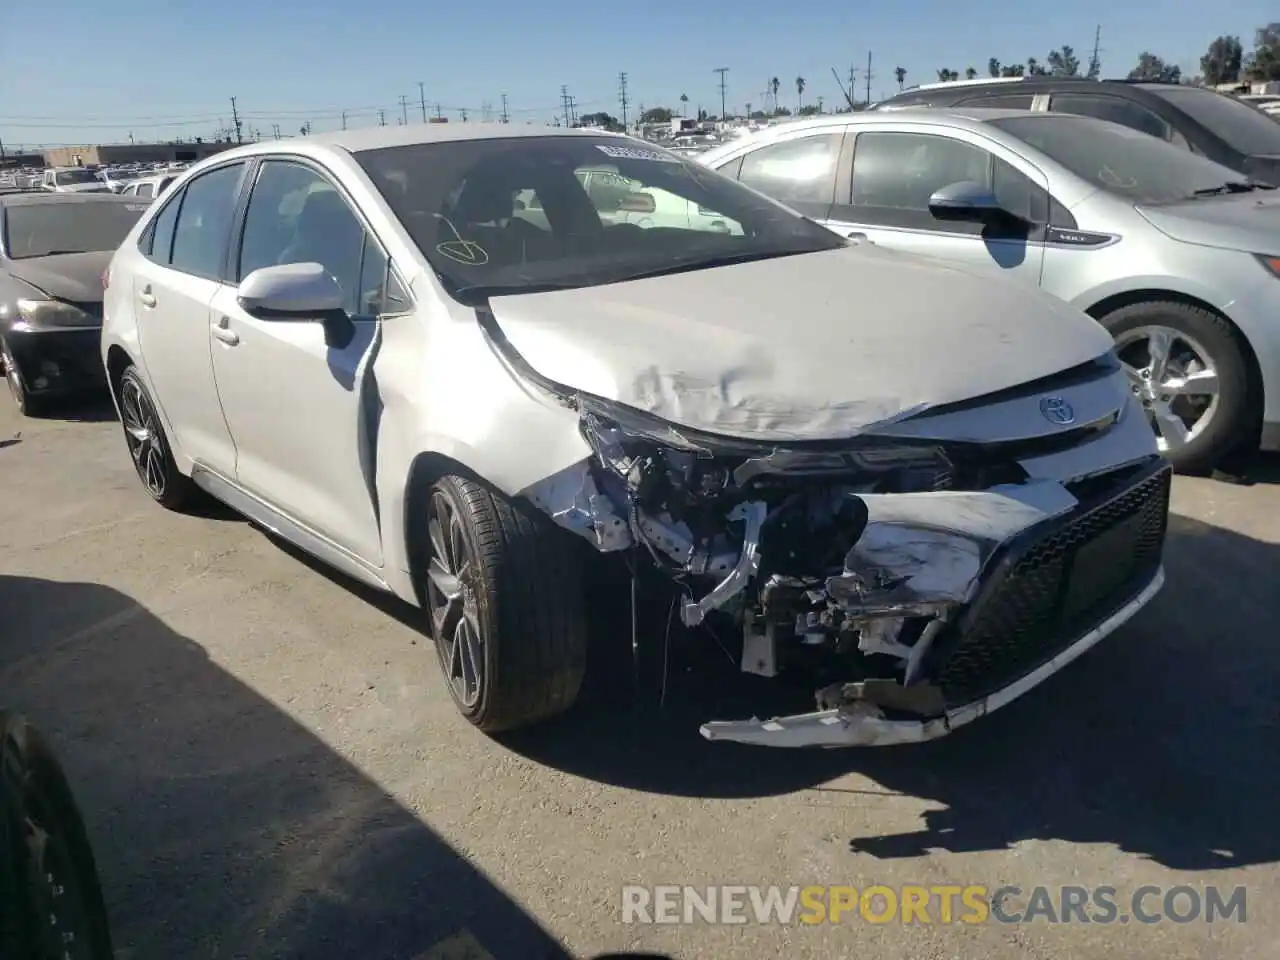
204	222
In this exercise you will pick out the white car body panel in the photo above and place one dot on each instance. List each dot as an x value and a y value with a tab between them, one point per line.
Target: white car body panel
320	443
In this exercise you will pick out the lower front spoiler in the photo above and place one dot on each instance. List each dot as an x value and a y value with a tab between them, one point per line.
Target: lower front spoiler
863	726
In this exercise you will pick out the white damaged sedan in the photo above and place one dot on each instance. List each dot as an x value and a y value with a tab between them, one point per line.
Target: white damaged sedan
928	490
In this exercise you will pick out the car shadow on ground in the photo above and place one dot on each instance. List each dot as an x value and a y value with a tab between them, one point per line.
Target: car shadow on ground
97	408
1161	741
221	826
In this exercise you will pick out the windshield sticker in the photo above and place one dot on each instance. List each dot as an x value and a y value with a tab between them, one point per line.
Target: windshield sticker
636	153
1117	180
464	252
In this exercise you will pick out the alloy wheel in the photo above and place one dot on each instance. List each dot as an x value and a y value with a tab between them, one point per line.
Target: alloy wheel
1174	378
451	597
142	435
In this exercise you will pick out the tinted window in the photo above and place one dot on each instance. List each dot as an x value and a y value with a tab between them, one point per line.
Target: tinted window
39	229
800	169
1001	101
157	242
66	178
1241	126
297	216
373	280
1120	161
1124	112
204	221
146	190
457	201
902	170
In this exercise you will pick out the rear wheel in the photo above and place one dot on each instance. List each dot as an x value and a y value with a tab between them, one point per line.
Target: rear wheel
148	447
1187	367
507	613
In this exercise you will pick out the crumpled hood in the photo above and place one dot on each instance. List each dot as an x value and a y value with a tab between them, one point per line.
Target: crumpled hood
71	276
1247	221
817	346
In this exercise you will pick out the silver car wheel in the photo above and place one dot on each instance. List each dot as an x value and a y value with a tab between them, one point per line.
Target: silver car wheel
141	435
1174	378
455	619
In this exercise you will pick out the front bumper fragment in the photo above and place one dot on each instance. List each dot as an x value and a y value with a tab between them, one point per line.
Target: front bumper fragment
864	725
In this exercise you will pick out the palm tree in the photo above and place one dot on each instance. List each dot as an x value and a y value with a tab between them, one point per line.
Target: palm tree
901	74
774	86
684	103
799	93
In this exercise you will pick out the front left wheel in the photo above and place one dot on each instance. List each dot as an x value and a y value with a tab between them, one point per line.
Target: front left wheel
504	593
28	405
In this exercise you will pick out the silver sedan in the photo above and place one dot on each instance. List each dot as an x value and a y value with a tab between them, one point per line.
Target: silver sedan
1177	256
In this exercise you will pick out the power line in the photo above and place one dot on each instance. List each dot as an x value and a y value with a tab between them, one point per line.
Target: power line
622	96
723	90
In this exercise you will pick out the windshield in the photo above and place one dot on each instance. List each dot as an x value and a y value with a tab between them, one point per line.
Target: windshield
520	214
65	177
1120	160
40	229
1239	125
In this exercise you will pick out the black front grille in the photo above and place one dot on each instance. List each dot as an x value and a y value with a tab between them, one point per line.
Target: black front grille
92	307
1056	587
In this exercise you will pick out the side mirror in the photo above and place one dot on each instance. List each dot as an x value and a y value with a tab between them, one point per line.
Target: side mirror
298	291
966	201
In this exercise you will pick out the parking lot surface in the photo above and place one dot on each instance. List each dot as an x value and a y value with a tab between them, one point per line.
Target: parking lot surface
270	767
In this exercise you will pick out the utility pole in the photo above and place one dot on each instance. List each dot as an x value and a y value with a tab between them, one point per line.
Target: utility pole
344	119
275	131
422	99
853	85
463	111
573	110
439	114
622	97
868	100
235	118
506	118
724	87
404	110
1095	59
485	111
382	118
564	103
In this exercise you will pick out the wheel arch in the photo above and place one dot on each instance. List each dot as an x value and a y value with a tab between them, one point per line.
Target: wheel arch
118	361
1127	298
424	470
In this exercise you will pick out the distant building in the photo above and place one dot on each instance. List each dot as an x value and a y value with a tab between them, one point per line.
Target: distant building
11	160
95	154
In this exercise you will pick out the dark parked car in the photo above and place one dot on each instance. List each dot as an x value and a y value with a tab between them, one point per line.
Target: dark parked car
1223	128
54	248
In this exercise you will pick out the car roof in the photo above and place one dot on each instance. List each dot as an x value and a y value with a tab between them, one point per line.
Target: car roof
374	138
37	198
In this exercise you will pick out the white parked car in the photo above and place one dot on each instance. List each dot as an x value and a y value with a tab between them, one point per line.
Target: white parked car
933	486
148	187
73	180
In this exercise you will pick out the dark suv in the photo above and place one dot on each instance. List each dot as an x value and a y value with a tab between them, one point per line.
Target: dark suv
1215	125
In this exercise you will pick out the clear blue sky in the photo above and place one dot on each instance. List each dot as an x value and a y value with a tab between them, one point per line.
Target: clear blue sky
159	70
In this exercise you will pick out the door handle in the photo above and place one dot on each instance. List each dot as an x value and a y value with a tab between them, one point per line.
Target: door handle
145	295
225	333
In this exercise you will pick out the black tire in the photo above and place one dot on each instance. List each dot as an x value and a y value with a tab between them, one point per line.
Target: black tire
28	405
52	898
1235	416
152	458
521	594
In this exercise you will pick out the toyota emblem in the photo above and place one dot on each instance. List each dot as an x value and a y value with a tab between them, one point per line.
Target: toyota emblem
1056	410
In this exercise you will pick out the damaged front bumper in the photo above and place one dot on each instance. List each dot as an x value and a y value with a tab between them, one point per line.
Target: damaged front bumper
863	724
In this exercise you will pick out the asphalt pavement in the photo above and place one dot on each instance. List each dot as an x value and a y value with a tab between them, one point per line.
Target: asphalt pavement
270	767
